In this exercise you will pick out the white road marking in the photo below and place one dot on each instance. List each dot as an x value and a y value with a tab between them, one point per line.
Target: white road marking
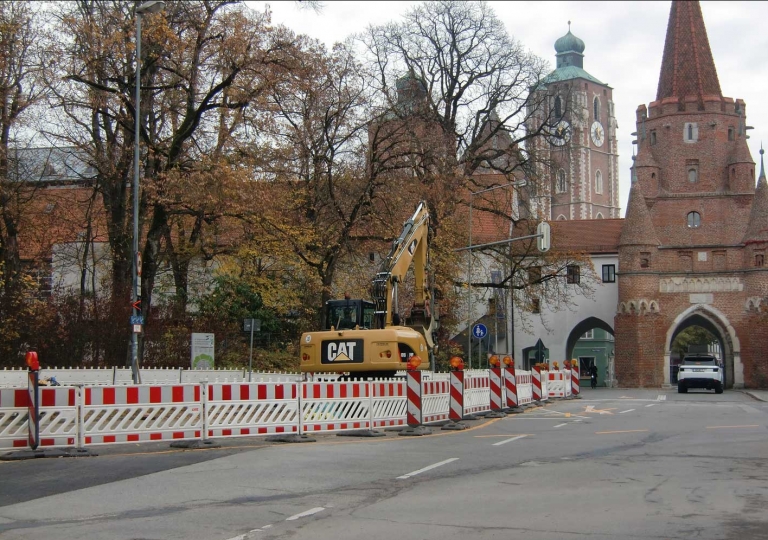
509	440
430	467
661	397
305	514
561	425
628	410
651	405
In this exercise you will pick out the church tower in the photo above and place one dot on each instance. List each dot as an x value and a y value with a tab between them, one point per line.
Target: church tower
579	160
691	244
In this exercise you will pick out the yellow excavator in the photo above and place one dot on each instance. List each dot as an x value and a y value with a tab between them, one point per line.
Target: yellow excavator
366	338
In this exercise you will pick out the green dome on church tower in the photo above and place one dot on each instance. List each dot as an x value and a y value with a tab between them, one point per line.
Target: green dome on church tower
569	43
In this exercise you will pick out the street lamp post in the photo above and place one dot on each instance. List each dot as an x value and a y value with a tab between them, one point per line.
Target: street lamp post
518	183
151	6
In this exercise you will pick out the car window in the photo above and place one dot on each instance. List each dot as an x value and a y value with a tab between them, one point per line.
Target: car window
699	361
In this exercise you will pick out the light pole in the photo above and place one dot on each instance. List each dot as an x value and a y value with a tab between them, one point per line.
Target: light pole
517	183
137	323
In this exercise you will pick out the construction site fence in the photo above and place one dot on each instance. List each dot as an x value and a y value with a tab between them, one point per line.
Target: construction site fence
93	414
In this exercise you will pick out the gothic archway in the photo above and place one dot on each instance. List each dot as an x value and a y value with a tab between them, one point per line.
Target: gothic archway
714	321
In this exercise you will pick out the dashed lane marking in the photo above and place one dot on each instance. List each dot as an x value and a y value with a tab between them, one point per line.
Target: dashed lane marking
650	405
628	410
428	468
509	440
661	397
561	425
624	431
499	436
309	512
728	427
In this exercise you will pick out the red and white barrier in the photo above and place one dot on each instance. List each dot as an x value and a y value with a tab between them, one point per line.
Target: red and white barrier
536	380
495	386
245	409
575	378
141	413
456	408
436	400
510	386
477	392
414	416
524	387
556	384
58	417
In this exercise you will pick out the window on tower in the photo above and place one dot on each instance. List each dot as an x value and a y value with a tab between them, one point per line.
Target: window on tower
561	183
691	132
694	220
596	108
558	107
759	259
598	182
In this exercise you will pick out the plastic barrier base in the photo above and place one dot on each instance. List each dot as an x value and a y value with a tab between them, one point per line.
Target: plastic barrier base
416	431
362	433
290	438
196	444
515	410
454	426
19	455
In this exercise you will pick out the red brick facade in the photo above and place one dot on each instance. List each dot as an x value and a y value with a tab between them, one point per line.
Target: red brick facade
696	229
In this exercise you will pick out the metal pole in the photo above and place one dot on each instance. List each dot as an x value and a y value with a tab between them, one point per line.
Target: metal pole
250	359
135	267
469	287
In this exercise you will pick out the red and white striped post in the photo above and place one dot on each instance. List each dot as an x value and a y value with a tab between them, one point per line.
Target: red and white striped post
510	382
495	380
456	401
414	415
536	383
575	377
33	414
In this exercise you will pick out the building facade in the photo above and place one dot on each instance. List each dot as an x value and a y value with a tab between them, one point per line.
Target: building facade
692	246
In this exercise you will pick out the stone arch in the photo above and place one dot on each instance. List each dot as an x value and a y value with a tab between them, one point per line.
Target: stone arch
562	217
581	328
622	308
717	323
654	306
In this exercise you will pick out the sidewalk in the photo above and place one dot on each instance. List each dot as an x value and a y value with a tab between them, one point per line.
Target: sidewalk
760	395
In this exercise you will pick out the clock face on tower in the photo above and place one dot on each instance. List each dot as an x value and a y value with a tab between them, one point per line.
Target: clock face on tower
561	134
597	133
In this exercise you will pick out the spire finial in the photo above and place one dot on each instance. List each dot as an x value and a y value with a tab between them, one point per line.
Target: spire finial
569	26
762	165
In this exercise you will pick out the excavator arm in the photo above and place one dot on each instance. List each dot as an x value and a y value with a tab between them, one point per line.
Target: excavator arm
411	247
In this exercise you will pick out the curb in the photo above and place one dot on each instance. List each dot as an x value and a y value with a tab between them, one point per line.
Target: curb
754	396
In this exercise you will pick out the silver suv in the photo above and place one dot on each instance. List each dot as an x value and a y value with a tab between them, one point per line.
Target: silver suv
700	371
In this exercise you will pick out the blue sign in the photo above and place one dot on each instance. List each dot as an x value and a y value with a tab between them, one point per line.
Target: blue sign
137	319
479	331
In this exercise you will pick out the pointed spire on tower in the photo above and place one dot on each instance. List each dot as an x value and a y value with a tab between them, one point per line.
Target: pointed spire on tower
687	67
638	228
757	230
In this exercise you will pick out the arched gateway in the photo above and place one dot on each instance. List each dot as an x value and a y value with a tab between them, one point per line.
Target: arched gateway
717	324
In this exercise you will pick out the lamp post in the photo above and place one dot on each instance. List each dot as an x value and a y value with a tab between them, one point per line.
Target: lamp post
518	183
151	6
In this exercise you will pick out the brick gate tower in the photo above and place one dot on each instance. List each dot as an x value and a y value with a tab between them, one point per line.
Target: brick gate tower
692	247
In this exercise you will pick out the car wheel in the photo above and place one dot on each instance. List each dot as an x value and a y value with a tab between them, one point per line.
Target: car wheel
681	389
719	389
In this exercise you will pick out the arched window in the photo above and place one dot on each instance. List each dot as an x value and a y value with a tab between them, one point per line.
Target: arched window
599	216
694	220
558	107
690	132
561	184
596	108
692	175
598	182
562	217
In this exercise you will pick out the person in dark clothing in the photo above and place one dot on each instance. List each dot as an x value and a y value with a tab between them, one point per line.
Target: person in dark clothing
593	375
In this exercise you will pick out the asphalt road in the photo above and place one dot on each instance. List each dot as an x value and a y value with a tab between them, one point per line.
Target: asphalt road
615	464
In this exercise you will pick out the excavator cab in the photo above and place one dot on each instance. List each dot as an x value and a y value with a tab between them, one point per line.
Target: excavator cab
348	314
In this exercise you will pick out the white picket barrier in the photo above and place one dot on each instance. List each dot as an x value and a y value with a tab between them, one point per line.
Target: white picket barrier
556	384
567	375
141	413
477	391
435	399
246	409
389	403
544	385
524	387
58	417
335	406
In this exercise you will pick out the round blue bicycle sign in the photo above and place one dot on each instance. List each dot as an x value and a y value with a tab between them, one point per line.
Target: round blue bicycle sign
479	331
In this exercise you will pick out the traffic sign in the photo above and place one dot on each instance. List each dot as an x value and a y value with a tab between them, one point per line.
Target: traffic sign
137	319
543	241
479	331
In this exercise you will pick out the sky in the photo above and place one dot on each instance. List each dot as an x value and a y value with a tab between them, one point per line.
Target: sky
624	44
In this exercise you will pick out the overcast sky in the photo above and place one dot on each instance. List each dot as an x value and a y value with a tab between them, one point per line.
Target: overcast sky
624	43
